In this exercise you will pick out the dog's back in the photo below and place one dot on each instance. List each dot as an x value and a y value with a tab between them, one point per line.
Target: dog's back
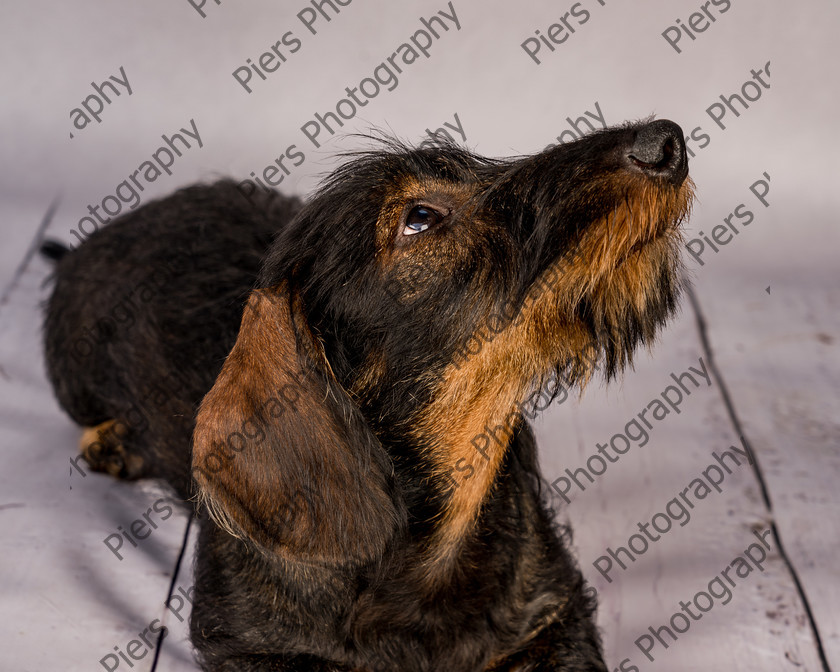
157	296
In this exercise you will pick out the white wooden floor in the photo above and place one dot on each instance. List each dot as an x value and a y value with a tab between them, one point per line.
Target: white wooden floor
763	321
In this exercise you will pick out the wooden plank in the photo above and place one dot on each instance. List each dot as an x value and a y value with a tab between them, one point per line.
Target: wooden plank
771	304
786	394
70	597
763	622
778	356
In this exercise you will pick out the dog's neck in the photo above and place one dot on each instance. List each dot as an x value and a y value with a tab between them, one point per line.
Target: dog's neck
476	407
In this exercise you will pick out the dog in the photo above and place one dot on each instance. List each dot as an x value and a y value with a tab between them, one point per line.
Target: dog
355	377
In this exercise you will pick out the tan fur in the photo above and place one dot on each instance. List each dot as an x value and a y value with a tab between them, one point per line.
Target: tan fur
91	435
102	448
226	405
487	388
296	465
428	191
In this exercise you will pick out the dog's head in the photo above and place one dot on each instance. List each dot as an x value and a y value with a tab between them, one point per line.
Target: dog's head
418	299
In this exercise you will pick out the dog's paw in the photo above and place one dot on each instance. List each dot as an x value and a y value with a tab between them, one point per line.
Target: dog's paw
104	450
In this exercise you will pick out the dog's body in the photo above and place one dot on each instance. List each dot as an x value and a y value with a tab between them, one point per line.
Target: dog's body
374	493
143	315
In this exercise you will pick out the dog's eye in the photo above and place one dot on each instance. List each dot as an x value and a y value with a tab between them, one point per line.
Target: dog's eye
419	219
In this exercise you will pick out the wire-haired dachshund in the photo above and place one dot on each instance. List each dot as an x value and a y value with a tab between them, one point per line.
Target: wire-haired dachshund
358	421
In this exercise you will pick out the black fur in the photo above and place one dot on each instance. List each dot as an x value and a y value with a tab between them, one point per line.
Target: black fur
324	507
145	311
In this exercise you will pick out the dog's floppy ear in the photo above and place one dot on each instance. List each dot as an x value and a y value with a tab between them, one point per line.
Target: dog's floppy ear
282	456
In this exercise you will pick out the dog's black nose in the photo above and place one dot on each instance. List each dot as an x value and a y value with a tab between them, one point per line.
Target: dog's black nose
659	150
